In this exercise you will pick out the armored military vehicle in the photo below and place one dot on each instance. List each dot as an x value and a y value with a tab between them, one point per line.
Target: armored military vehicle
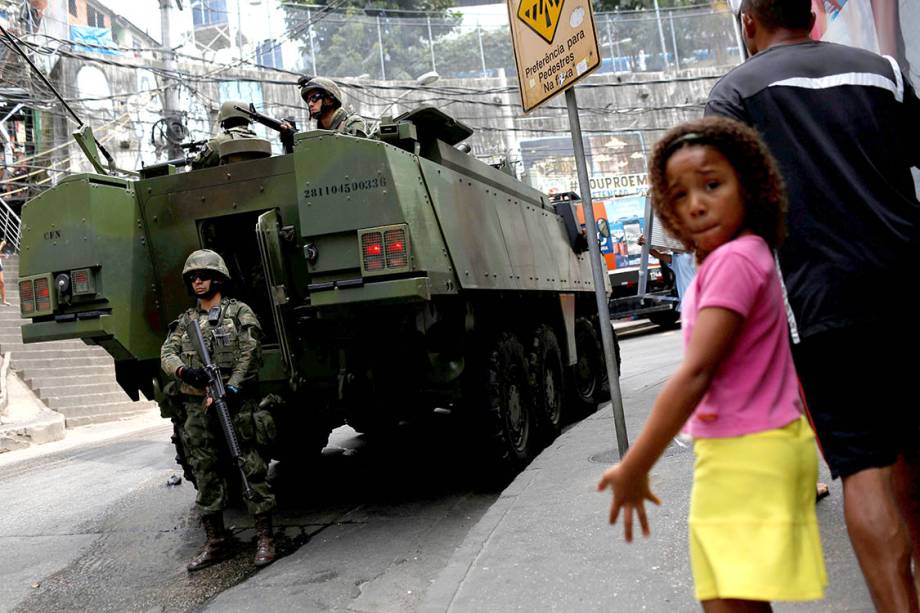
392	276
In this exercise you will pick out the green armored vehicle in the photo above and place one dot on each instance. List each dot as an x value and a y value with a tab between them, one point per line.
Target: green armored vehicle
392	276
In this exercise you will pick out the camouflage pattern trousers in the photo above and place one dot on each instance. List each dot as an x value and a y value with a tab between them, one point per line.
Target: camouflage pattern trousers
209	460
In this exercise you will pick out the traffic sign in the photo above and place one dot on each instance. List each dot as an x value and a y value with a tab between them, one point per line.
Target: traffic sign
555	45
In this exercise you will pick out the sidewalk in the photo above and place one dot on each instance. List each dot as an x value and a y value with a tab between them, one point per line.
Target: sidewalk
545	545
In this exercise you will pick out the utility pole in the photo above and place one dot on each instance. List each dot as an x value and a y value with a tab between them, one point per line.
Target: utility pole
175	130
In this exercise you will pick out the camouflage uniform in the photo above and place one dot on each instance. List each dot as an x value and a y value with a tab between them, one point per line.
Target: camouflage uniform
238	354
235	125
348	123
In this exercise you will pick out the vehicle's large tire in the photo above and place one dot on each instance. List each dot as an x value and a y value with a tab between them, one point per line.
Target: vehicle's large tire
547	380
587	384
665	319
505	404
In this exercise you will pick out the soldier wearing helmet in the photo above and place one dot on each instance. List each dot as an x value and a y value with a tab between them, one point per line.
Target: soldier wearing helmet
325	101
232	334
234	125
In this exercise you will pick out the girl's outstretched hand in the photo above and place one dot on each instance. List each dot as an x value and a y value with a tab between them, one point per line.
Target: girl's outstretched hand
630	491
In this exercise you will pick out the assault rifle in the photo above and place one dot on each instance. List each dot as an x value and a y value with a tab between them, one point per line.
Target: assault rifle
161	168
287	133
218	395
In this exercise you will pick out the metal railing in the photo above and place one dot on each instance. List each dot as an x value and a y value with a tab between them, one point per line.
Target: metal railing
10	227
391	45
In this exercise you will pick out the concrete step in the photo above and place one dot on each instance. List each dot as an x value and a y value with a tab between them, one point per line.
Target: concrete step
34	363
105	408
90	374
62	403
38	351
14	334
44	379
74	422
76	386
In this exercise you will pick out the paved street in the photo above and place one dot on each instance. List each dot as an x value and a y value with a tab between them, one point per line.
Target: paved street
399	526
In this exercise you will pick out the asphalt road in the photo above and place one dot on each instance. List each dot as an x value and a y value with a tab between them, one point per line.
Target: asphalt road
365	527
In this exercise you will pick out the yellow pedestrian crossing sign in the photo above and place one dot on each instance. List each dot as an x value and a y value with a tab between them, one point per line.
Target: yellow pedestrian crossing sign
555	45
541	16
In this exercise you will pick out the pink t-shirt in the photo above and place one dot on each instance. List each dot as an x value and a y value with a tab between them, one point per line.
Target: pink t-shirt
755	388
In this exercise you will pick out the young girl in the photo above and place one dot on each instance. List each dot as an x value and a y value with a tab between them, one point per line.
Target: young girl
753	531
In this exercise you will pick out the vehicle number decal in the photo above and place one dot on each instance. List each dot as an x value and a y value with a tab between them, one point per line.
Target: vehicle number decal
322	191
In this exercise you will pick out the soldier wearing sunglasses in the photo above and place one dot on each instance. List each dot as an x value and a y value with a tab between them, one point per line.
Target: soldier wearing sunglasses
232	334
324	100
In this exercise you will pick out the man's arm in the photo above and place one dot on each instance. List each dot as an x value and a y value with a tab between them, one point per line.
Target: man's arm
725	101
170	361
250	335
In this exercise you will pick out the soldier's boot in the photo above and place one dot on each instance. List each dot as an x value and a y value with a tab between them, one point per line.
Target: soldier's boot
265	545
216	548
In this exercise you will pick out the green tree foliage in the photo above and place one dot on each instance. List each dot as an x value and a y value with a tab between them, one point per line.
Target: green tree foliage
347	40
640	5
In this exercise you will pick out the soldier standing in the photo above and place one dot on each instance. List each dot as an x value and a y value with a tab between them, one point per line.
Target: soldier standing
235	125
324	100
232	332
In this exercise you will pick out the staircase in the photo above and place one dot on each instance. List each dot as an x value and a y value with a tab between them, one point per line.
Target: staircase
70	377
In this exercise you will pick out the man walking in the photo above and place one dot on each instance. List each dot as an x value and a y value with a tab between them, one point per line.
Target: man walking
844	125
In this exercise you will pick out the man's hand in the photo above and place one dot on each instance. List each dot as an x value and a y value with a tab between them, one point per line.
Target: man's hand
630	491
196	377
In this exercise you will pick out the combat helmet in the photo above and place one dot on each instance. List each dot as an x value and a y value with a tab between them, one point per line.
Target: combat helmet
228	110
205	259
323	84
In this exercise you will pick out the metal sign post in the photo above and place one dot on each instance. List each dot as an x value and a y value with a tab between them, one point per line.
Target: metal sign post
555	45
599	269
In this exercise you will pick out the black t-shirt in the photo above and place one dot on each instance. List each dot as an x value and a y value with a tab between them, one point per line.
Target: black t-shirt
844	126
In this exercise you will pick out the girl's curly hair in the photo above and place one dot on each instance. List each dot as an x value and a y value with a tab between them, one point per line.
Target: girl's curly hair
762	187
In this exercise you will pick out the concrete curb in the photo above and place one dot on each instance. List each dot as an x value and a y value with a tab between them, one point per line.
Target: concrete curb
42	427
47	427
4	371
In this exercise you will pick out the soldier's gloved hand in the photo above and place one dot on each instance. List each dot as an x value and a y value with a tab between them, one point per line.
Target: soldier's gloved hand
196	377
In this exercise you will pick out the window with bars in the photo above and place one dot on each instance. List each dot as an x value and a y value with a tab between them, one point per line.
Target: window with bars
268	53
209	12
94	18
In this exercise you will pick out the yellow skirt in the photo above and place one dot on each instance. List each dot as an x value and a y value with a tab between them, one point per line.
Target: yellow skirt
753	530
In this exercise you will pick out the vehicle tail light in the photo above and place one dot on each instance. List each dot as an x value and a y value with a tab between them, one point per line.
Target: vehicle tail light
26	297
42	294
372	251
396	248
82	281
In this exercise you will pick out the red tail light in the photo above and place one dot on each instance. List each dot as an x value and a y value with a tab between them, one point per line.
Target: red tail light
395	240
26	297
372	251
42	295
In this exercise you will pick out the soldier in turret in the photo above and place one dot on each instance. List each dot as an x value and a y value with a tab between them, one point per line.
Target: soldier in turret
234	125
232	334
325	101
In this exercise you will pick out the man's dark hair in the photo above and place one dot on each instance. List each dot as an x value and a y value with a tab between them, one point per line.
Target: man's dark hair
787	14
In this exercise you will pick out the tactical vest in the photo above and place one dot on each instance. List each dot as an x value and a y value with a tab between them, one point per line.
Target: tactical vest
222	340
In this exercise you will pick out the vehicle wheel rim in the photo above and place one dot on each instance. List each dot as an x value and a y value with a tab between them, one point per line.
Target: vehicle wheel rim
586	380
517	422
553	399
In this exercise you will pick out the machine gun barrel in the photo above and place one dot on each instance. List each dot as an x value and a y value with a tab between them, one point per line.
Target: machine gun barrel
286	132
218	395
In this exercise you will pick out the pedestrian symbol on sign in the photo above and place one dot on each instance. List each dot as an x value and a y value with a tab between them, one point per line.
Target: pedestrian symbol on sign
541	16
